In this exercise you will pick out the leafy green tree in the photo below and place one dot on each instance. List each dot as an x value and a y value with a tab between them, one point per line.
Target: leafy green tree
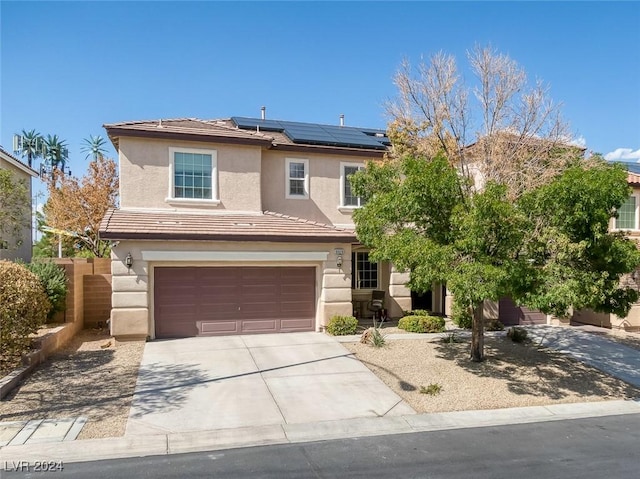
550	249
31	146
94	146
15	210
578	261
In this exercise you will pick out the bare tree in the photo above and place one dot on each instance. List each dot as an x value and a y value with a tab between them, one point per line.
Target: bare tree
500	129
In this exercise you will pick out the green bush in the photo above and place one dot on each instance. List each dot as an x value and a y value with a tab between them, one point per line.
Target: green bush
342	325
54	282
418	312
517	335
493	325
461	315
422	324
23	309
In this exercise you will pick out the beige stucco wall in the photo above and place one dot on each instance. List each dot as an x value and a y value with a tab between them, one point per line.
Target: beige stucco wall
145	175
132	297
324	187
22	252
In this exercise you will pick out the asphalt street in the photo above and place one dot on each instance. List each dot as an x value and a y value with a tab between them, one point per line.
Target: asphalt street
581	448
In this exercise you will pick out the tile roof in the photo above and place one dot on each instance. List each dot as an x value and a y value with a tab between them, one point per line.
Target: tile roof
633	179
120	224
216	130
19	163
219	129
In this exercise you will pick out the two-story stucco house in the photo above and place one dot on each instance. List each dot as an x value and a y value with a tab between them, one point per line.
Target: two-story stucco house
24	173
241	226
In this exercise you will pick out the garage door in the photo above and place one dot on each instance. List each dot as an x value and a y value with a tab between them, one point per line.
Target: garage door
194	301
510	314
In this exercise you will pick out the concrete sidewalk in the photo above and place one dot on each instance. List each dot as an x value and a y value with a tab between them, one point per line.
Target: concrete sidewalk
608	356
154	445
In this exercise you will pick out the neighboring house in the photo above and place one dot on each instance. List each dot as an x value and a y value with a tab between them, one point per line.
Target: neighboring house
242	226
24	173
628	220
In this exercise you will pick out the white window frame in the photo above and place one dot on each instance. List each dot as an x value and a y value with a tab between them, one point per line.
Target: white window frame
343	184
354	272
215	199
287	190
637	216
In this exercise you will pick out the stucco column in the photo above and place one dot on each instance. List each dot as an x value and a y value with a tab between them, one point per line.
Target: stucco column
129	298
399	294
335	297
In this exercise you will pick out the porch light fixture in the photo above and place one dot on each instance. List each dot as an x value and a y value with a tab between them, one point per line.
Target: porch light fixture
339	252
128	261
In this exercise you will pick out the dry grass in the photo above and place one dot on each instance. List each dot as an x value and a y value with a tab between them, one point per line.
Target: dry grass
513	375
91	377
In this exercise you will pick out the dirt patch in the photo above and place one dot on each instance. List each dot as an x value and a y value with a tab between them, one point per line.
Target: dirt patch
92	377
513	375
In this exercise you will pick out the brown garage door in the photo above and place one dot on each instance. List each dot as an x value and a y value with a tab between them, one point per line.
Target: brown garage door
510	314
194	301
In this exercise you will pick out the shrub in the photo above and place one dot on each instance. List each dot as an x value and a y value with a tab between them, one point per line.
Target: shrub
23	308
422	324
517	335
54	282
494	325
461	315
418	312
374	336
342	325
432	389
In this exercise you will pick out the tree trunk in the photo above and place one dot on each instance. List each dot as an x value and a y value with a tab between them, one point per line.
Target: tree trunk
477	333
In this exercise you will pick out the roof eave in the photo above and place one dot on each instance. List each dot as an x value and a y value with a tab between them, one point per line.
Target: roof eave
115	133
368	153
18	164
283	238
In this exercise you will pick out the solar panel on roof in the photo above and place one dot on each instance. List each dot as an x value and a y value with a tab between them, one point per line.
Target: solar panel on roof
316	134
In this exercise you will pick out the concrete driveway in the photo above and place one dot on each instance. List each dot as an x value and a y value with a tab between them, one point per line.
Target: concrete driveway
198	384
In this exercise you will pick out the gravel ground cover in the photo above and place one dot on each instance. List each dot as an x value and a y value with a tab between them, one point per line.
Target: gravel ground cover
95	377
513	375
92	377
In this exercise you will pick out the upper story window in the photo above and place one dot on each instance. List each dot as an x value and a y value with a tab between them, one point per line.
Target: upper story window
193	175
628	214
347	196
297	178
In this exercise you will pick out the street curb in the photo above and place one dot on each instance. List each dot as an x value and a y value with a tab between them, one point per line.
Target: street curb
200	441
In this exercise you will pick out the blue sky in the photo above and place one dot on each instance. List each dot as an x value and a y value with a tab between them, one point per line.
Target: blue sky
69	67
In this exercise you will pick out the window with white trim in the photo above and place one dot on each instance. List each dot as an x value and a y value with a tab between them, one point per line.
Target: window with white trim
628	214
364	272
347	196
297	178
193	175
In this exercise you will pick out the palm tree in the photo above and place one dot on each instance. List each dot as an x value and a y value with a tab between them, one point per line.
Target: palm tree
94	146
55	152
31	146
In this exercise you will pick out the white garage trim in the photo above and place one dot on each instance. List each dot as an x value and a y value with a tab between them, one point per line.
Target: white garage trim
235	255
